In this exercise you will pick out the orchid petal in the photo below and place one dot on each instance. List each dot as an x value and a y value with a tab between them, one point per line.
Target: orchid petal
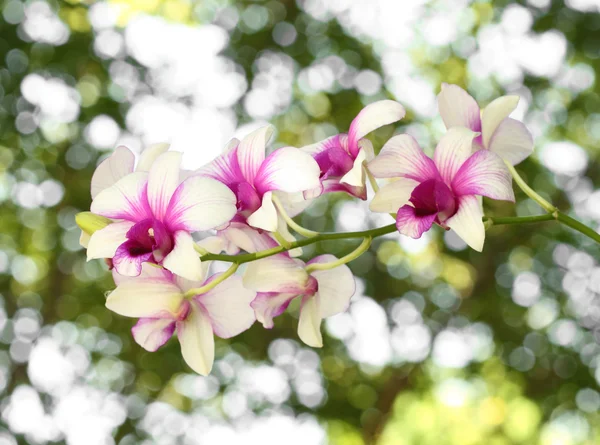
126	199
183	259
289	170
266	216
335	141
228	306
268	305
453	149
84	239
247	238
392	196
277	273
119	164
335	286
225	167
152	333
309	323
370	118
356	176
458	108
293	203
163	179
512	141
196	338
284	231
104	242
251	152
485	174
401	156
410	224
149	155
467	222
492	115
200	203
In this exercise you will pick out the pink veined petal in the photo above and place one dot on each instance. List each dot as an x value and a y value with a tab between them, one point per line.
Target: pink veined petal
412	225
392	196
336	286
287	169
126	199
458	108
338	140
183	259
278	273
401	156
152	333
251	152
467	222
228	307
119	164
268	305
333	185
200	203
309	322
196	338
485	174
127	264
512	141
163	179
356	176
247	238
453	149
370	118
494	114
265	217
149	155
104	242
225	167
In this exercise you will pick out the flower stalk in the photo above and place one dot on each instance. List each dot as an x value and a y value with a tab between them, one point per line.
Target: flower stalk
362	248
290	222
214	283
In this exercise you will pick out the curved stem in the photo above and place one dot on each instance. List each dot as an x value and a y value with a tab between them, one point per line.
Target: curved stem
576	225
362	248
214	283
290	222
529	191
517	220
281	240
372	179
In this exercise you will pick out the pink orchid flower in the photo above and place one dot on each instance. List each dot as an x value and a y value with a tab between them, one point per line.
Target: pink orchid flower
506	137
155	213
254	178
157	298
341	157
444	190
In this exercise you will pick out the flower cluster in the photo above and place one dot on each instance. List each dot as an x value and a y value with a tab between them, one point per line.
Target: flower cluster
159	226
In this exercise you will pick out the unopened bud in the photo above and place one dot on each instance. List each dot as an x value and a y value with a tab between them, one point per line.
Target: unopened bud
89	222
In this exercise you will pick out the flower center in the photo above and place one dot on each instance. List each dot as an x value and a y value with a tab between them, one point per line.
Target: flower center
149	236
248	199
434	197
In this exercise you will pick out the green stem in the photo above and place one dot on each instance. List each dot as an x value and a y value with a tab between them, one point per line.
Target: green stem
517	220
576	225
372	179
290	222
362	248
214	283
529	191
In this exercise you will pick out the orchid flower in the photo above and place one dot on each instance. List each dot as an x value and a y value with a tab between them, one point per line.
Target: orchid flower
341	157
155	213
254	178
444	190
506	137
160	300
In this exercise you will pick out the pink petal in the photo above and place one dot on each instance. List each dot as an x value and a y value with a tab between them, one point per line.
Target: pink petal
152	333
119	164
410	224
278	273
484	174
494	114
335	286
309	322
371	117
149	155
183	260
126	199
268	305
251	152
289	170
228	307
401	156
225	167
467	222
200	203
392	196
104	242
512	141
452	151
163	179
196	338
458	108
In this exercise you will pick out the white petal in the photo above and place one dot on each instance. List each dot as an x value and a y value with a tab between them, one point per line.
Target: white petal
251	151
392	196
512	141
201	203
293	203
277	273
266	216
163	179
458	108
467	222
196	339
152	333
117	165
484	174
494	113
104	242
401	156
149	155
126	199
309	324
288	169
268	306
356	175
336	286
183	259
84	239
247	238
228	307
373	116
453	149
